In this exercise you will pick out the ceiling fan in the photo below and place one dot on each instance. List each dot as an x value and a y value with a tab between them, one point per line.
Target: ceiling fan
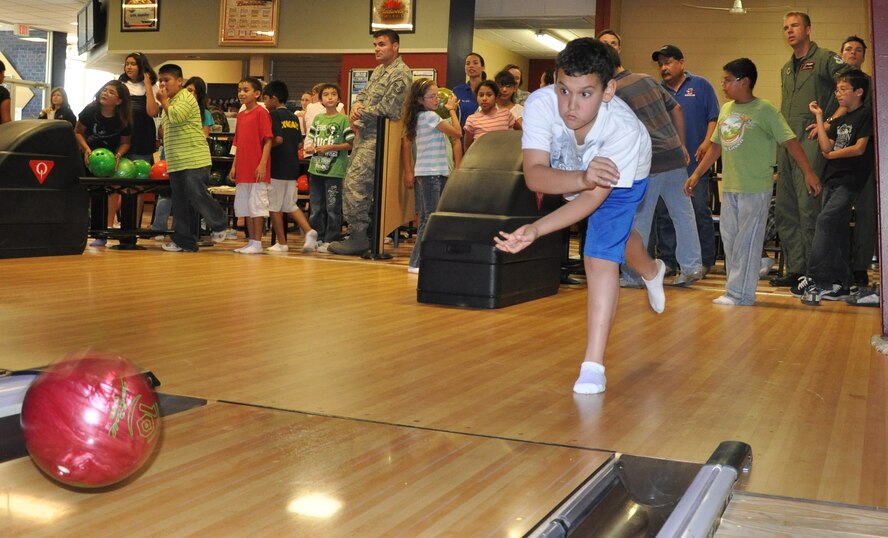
738	9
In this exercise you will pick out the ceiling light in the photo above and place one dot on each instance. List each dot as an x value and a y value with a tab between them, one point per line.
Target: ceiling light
550	41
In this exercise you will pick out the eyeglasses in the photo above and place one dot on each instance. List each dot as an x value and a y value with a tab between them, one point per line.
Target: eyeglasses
726	81
840	91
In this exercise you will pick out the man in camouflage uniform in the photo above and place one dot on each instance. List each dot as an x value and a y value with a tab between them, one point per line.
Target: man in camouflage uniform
383	96
808	76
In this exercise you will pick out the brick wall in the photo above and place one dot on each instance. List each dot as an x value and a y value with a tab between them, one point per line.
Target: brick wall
29	61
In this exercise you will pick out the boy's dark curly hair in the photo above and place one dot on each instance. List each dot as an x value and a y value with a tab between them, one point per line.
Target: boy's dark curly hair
585	56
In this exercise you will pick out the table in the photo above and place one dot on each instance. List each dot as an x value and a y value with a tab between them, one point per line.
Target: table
99	188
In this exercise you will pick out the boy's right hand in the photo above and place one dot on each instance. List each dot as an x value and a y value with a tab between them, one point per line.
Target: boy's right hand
815	108
517	240
691	182
602	172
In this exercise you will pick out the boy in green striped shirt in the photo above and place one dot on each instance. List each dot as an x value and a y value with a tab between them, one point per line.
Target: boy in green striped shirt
188	164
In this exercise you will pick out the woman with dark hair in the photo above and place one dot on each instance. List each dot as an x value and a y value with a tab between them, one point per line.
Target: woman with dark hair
520	95
106	122
58	109
141	82
465	92
198	88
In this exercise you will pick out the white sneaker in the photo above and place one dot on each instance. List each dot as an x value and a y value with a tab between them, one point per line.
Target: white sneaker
413	270
322	247
172	247
311	242
766	266
158	238
252	248
277	247
218	237
231	233
655	293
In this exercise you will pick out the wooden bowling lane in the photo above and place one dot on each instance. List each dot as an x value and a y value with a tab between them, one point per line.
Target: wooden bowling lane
233	470
338	336
764	516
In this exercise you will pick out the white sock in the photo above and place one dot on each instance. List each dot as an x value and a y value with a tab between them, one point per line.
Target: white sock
591	380
724	299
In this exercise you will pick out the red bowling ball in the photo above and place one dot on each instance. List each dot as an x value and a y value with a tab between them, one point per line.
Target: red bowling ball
302	183
91	421
159	170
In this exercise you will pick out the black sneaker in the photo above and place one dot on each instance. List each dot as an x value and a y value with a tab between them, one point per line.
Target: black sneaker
801	286
784	281
839	292
865	297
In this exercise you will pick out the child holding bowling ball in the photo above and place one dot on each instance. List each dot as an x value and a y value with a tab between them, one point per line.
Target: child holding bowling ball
106	122
429	132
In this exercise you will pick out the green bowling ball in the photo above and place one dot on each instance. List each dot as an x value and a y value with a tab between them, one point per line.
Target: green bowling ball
101	162
125	169
142	168
443	95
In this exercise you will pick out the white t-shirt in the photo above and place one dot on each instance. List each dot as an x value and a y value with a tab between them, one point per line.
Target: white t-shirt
617	134
517	111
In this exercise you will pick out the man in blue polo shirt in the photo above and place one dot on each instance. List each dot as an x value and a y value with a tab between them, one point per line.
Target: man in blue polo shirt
700	105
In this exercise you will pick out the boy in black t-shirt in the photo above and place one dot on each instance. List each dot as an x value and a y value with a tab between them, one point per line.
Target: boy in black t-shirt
282	194
849	154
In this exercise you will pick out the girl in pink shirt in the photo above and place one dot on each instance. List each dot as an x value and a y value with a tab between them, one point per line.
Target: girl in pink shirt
488	118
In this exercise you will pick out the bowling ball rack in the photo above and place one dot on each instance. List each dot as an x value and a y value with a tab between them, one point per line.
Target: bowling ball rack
129	189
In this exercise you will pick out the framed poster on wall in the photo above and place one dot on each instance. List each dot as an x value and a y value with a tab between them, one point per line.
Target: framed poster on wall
248	22
140	16
397	15
358	78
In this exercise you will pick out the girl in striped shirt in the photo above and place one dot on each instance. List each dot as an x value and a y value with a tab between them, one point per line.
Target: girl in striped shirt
429	131
488	118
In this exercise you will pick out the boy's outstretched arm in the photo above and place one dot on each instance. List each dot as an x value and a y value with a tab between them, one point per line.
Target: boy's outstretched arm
574	211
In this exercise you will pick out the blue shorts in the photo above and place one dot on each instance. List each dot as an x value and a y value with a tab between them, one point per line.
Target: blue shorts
609	226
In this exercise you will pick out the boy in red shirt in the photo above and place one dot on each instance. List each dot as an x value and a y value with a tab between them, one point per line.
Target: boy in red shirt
251	169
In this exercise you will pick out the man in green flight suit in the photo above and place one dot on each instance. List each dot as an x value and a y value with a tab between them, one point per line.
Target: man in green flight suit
808	76
383	96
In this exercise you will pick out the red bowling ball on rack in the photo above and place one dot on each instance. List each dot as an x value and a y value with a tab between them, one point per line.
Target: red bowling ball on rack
91	421
159	170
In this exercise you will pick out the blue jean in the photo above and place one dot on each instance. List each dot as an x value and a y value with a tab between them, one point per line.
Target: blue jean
664	230
325	207
828	262
429	189
163	206
191	200
742	223
670	186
